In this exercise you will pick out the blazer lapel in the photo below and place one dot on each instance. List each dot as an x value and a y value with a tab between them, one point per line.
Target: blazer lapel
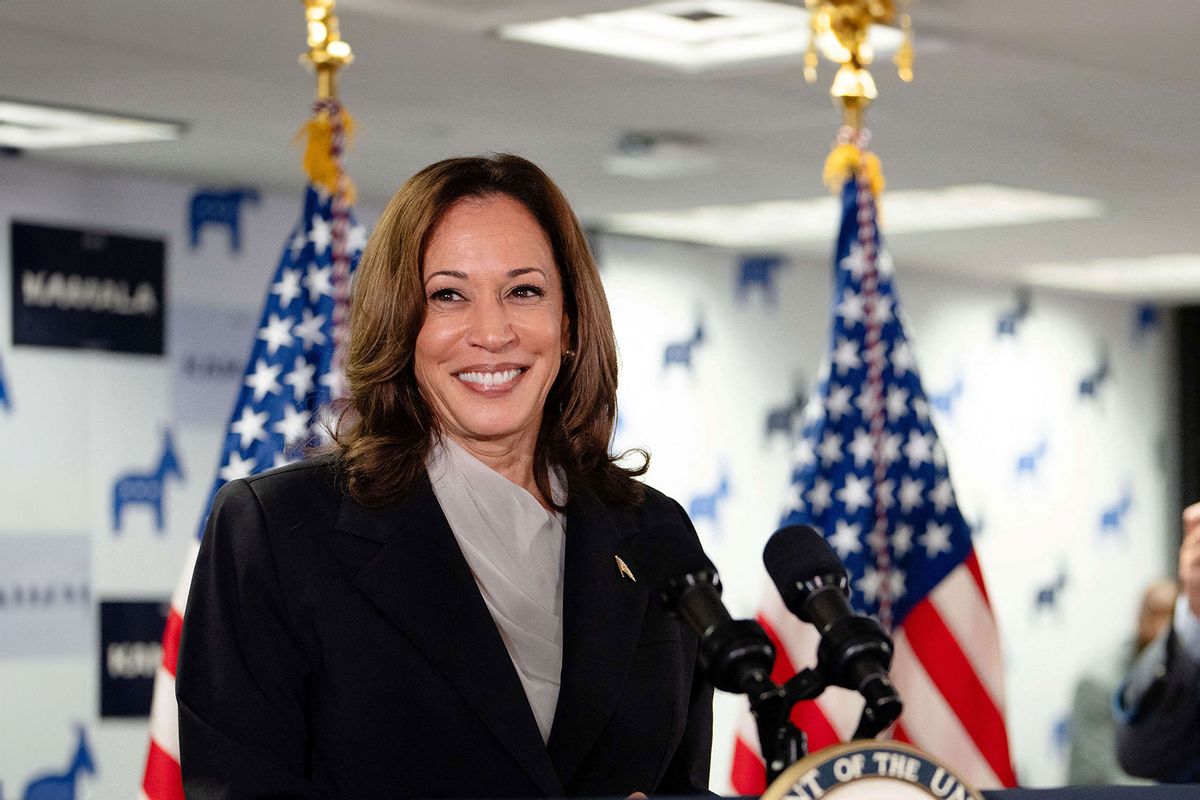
421	581
602	621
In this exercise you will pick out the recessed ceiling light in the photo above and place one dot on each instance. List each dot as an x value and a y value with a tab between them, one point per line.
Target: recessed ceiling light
1167	275
782	223
32	126
653	156
689	35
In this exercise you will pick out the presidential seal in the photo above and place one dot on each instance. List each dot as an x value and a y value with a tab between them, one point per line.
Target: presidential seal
869	769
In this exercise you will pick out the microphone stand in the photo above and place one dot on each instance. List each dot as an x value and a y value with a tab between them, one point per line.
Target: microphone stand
781	742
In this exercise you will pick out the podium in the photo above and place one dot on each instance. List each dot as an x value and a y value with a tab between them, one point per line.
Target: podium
1182	791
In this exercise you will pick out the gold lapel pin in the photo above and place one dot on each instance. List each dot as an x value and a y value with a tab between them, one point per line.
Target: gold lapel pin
623	569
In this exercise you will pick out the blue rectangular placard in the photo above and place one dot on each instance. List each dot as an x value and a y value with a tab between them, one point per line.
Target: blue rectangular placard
87	289
130	652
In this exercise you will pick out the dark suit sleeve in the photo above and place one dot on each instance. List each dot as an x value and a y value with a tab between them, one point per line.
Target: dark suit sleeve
689	768
242	675
1158	714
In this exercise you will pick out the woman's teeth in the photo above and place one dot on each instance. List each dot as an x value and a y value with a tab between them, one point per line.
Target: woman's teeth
489	378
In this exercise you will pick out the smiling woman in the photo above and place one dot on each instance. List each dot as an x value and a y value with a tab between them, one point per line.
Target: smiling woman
446	604
494	334
471	248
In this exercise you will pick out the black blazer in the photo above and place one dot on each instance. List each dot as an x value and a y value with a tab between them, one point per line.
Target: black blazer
331	650
1158	713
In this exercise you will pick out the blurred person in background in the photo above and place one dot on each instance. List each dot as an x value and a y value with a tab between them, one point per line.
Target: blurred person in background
1093	758
1158	706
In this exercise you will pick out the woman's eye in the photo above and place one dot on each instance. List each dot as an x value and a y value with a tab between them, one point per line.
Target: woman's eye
444	295
528	290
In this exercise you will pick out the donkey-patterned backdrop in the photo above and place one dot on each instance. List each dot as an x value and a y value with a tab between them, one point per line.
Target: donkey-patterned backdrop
1052	408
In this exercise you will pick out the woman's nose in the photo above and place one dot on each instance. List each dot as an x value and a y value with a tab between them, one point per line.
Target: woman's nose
490	328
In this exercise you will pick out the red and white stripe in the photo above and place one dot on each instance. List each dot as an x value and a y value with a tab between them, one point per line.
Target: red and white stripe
947	668
162	779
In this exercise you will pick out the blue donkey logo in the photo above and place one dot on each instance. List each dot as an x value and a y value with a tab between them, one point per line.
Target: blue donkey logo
1090	384
62	785
706	505
681	352
1047	595
221	207
782	418
4	401
147	489
759	271
946	401
1011	319
1112	518
1028	462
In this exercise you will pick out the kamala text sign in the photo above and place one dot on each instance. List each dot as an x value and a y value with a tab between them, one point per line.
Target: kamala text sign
130	653
79	288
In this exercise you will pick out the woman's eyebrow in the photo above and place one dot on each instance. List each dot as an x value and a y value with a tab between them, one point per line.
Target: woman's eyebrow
448	272
453	273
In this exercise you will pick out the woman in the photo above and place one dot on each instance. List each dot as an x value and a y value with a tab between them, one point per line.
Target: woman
448	605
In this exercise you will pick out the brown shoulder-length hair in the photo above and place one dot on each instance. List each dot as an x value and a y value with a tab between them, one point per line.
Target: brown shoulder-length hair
386	427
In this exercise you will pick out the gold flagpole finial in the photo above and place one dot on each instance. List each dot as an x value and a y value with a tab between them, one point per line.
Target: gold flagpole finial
327	52
840	31
327	133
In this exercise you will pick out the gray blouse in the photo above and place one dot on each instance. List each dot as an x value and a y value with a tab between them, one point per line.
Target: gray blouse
514	548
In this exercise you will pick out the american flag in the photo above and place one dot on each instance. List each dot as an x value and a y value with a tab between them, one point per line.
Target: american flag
291	375
870	473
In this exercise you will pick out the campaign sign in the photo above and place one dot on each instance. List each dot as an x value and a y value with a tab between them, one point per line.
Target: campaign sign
45	595
130	652
86	289
209	346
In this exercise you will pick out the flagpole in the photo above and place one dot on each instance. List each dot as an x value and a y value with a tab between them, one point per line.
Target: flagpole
840	29
328	132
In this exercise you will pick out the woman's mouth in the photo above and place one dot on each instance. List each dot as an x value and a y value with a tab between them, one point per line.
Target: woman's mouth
490	381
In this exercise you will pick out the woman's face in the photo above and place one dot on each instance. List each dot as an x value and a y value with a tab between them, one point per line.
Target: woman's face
495	326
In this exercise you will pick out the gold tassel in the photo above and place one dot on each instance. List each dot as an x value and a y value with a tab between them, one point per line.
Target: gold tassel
845	161
318	158
841	163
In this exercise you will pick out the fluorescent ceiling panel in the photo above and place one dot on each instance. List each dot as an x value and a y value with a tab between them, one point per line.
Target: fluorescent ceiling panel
29	126
781	223
690	35
1161	276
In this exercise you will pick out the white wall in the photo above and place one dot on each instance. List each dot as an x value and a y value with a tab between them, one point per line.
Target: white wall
80	418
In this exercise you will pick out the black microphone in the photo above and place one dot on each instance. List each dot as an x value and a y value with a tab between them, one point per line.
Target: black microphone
736	654
855	652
